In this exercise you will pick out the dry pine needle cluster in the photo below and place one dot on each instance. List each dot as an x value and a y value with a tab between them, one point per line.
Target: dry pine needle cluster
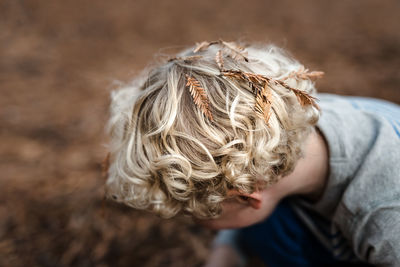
199	96
260	84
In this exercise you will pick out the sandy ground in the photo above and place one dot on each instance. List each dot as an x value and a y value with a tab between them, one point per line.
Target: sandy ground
59	60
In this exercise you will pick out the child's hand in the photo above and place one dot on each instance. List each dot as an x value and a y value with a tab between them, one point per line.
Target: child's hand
224	256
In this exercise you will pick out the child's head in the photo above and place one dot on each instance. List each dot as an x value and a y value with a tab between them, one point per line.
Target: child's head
215	119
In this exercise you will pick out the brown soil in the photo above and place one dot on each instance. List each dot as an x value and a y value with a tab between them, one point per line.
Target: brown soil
60	59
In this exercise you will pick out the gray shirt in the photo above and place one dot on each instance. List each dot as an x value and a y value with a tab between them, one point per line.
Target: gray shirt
360	206
358	216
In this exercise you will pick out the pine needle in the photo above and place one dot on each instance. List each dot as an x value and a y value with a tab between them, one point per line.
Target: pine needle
105	165
187	59
263	103
235	51
219	60
305	99
233	74
314	75
256	78
305	74
261	90
199	96
257	81
203	46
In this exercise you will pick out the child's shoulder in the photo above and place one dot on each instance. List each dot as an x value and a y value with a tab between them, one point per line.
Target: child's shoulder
362	194
357	119
366	104
363	139
363	136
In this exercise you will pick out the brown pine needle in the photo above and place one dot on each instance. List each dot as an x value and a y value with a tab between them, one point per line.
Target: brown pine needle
305	99
186	59
236	75
203	46
256	78
257	81
235	51
199	96
219	60
233	74
263	103
305	74
283	84
314	75
105	165
261	90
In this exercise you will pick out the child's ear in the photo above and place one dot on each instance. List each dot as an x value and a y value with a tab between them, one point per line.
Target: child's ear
254	199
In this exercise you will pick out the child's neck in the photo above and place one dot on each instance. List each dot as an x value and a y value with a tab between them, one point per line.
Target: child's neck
311	172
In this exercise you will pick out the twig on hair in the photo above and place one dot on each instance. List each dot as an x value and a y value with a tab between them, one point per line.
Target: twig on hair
235	51
305	99
203	46
313	75
257	81
263	103
199	96
256	78
105	165
219	60
185	59
237	74
261	90
305	74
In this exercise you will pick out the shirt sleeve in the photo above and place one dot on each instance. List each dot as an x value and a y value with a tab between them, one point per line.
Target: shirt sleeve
230	237
376	236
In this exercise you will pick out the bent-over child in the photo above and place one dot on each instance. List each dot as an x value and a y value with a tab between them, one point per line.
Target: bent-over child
238	138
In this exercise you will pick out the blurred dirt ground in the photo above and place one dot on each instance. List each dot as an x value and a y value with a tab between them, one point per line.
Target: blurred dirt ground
60	59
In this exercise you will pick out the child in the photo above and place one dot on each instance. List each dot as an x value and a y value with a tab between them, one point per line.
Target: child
238	138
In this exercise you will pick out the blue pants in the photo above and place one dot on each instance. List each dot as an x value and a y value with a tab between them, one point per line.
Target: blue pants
283	240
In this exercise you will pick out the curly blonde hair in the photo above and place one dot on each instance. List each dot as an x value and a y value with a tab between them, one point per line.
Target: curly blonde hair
169	158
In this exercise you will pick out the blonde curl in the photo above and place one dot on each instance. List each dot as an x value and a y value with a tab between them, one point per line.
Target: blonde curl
167	157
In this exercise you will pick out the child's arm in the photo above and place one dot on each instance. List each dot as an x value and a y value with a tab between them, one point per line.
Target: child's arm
376	236
224	256
226	251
